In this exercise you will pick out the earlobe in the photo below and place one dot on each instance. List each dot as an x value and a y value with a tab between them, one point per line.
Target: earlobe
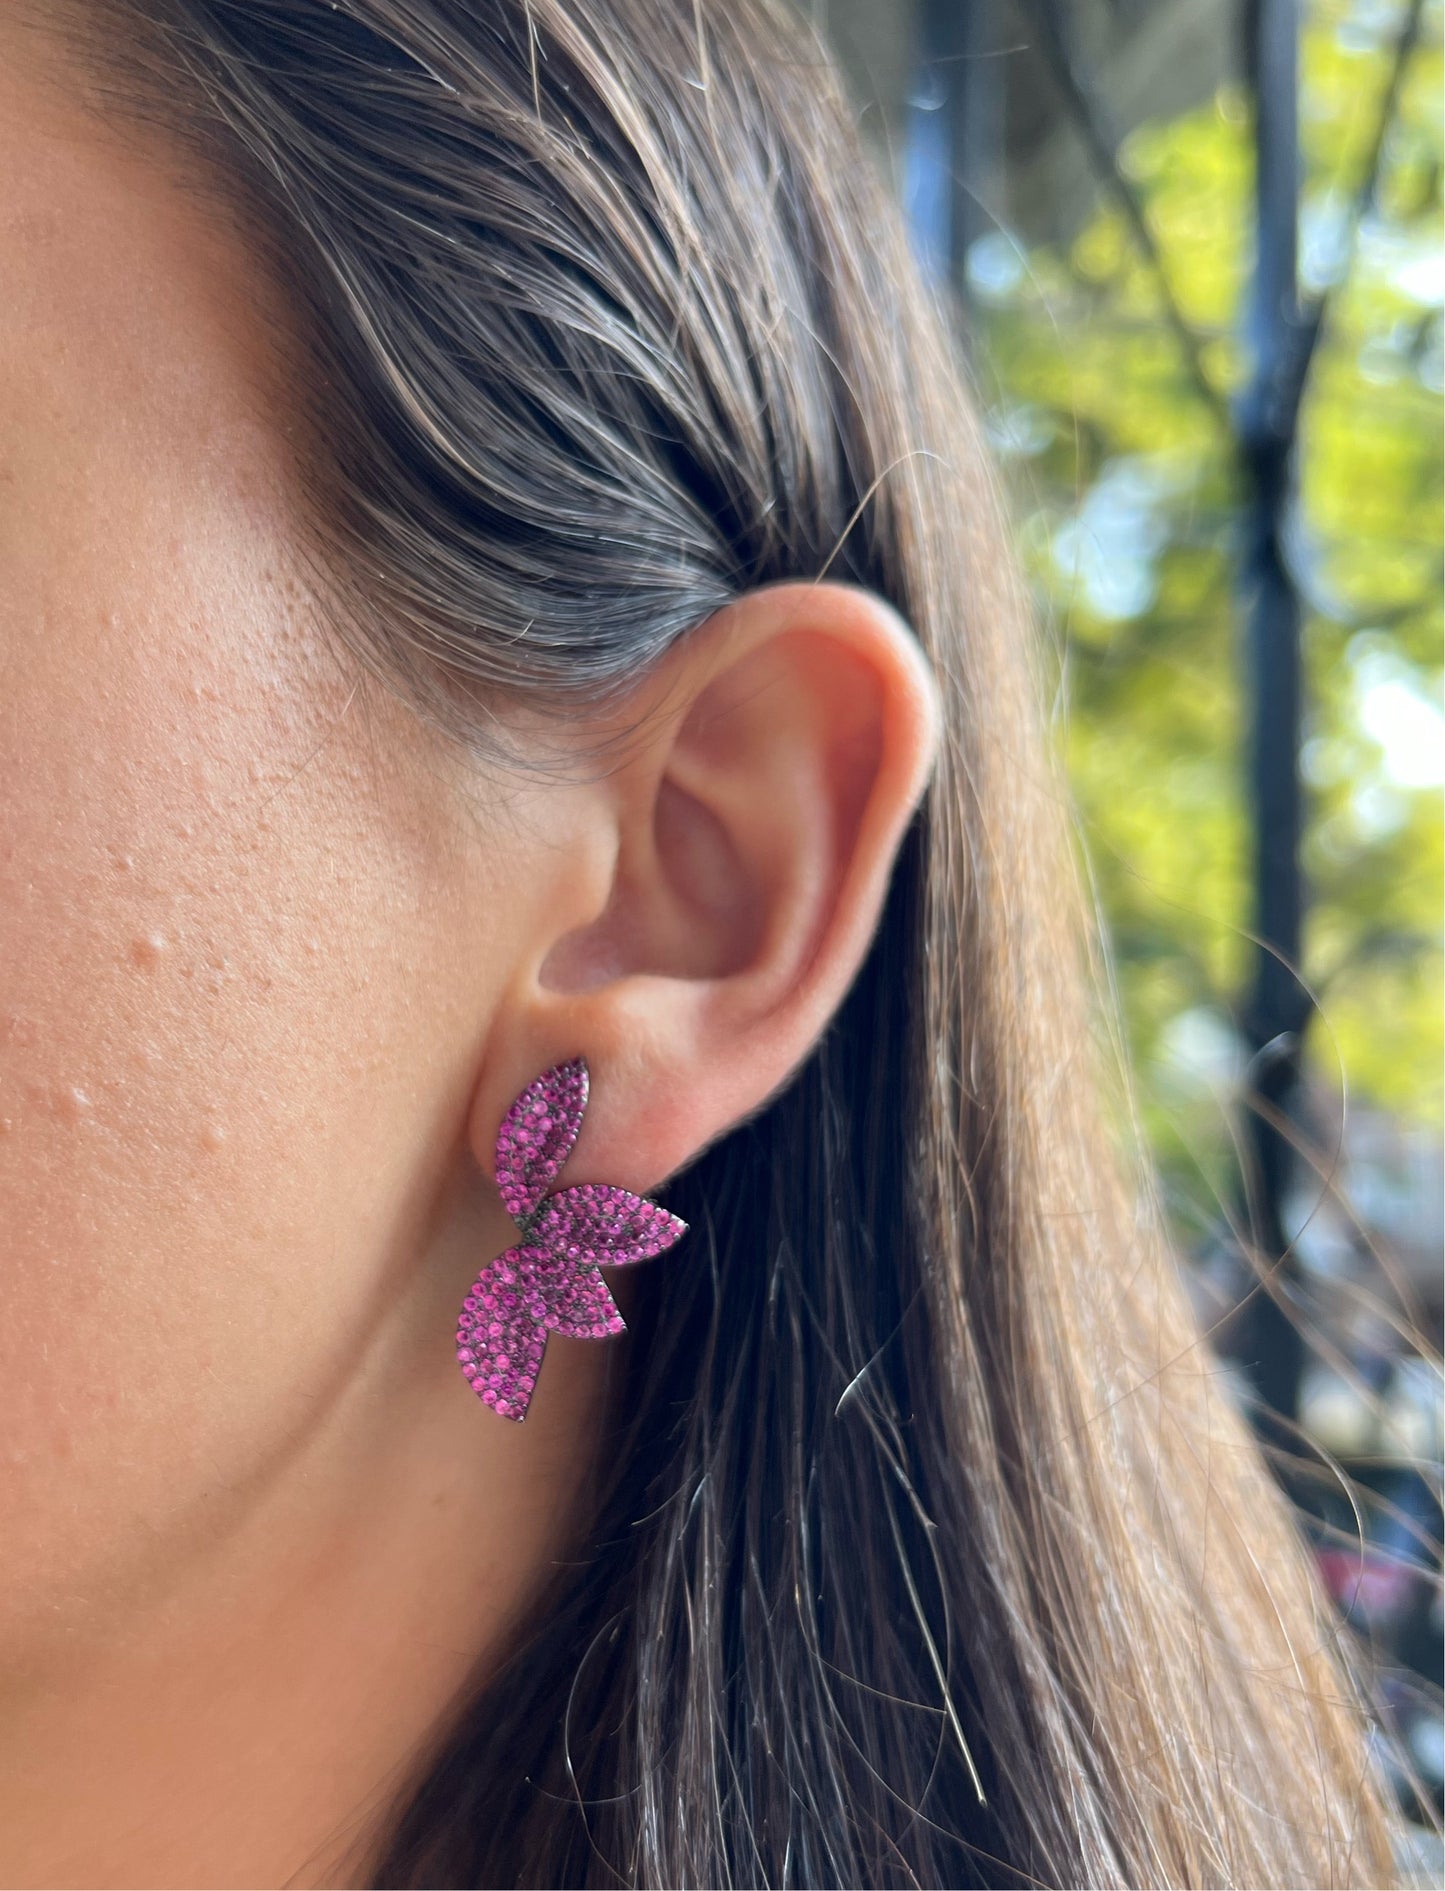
782	750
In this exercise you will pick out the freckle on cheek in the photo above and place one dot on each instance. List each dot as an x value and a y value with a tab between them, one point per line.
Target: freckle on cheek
146	952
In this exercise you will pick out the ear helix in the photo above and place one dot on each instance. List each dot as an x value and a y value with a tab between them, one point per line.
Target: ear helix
549	1282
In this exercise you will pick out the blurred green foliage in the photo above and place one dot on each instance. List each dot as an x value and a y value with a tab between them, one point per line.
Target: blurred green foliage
1129	495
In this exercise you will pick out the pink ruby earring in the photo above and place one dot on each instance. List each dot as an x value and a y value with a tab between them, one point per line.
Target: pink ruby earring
549	1282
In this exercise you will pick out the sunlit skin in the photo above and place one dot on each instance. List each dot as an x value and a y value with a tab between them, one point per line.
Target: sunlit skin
273	961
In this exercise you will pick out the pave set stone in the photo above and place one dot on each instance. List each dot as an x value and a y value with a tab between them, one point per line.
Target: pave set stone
550	1281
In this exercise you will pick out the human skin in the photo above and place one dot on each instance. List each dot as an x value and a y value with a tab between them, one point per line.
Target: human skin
273	961
239	1028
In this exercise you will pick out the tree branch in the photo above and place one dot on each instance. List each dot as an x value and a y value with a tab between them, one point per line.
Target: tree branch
1102	142
1312	328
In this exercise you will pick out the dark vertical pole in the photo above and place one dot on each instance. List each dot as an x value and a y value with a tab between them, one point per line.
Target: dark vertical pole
1276	1009
964	34
956	119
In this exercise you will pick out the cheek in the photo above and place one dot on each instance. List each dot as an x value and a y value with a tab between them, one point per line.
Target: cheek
215	916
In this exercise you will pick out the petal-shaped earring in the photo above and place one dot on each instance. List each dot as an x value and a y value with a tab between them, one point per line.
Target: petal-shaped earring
550	1281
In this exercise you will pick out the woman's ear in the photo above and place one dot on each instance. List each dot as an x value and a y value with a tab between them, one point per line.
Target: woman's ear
732	867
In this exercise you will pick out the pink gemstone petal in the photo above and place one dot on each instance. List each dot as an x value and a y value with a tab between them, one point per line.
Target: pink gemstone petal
552	1282
579	1305
500	1340
537	1135
599	1223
